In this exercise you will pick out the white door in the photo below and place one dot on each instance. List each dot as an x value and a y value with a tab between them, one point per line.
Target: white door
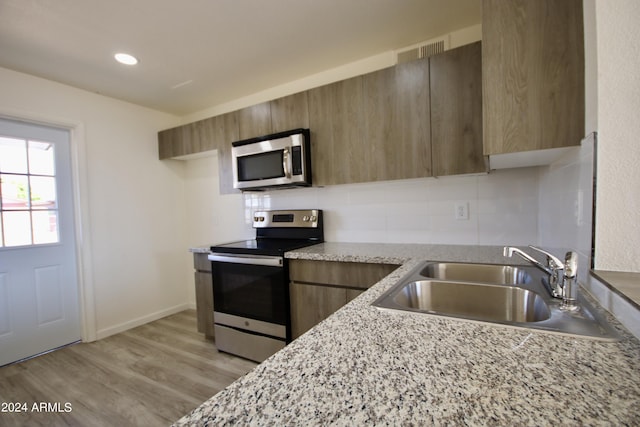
38	277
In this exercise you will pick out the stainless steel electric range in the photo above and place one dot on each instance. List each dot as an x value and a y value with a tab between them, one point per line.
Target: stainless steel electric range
251	283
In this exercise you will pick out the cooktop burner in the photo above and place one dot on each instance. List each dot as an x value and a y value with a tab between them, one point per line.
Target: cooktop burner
263	246
278	232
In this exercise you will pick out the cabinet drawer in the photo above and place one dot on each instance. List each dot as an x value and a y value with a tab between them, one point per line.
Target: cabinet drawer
201	262
343	274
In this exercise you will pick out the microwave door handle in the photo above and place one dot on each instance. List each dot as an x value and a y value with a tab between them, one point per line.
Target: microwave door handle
286	162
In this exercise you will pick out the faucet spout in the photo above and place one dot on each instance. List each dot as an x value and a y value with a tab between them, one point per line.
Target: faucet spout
554	267
510	250
563	280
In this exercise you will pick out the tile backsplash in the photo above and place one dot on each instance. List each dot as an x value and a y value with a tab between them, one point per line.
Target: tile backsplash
549	206
566	203
502	209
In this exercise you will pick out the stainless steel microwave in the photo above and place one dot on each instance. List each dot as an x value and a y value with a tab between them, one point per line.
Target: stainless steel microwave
272	161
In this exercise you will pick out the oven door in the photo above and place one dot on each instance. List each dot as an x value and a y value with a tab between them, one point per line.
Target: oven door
251	292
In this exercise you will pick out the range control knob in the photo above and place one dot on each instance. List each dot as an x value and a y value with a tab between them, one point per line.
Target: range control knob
313	218
305	218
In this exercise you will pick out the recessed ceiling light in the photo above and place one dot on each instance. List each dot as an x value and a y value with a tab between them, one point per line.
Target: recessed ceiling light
125	58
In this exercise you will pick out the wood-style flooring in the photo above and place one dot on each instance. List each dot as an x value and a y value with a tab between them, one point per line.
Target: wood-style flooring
151	375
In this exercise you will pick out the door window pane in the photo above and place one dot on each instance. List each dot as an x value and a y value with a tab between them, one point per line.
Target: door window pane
13	155
15	191
45	226
17	228
43	192
28	196
41	160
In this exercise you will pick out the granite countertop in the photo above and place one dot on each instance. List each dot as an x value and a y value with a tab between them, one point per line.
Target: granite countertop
626	284
201	249
363	366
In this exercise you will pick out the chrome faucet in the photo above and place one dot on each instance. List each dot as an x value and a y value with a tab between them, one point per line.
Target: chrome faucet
554	267
570	286
563	276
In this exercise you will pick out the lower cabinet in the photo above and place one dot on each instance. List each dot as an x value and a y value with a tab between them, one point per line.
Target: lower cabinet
319	288
204	294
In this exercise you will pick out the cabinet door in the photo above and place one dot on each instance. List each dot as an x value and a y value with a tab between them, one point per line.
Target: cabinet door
339	154
255	121
290	112
191	138
319	288
397	125
353	294
226	130
202	136
533	74
204	302
311	304
456	111
174	142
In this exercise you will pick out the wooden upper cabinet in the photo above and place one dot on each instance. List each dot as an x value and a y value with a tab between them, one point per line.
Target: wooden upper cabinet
174	142
226	131
533	74
456	111
202	136
413	120
191	138
255	121
338	151
396	122
290	112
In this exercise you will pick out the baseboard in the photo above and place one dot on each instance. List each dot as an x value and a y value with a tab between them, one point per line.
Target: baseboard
103	333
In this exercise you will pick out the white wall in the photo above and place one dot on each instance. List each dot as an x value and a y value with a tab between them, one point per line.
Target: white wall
566	205
618	194
133	240
211	217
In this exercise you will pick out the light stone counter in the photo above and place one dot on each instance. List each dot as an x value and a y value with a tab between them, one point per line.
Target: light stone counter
627	284
200	249
362	366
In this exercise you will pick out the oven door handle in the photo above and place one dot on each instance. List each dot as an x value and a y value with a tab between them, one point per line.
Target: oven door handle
271	261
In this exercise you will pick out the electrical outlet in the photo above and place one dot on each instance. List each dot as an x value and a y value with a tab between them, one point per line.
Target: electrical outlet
461	211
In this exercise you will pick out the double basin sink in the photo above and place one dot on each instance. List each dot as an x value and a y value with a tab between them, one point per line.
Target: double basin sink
501	294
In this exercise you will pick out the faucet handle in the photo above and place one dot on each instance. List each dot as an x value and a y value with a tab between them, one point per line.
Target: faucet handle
571	265
554	262
570	282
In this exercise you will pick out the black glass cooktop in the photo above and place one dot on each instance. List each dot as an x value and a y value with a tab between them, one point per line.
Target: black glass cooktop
263	246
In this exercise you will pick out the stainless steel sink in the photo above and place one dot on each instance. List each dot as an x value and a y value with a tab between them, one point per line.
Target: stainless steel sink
491	303
507	295
483	273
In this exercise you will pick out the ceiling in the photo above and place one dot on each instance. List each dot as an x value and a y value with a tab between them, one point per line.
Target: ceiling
196	54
